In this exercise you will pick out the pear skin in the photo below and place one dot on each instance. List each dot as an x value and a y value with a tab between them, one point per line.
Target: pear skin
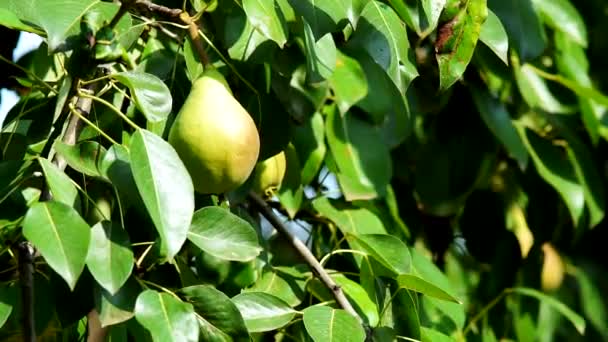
268	174
214	136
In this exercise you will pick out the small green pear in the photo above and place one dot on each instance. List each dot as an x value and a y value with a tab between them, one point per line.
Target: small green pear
268	174
214	136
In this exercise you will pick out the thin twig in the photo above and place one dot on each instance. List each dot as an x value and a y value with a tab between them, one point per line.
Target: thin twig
305	253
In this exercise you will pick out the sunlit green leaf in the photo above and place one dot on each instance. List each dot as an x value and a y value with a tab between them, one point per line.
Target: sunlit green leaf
493	34
325	324
224	235
151	95
166	317
165	187
61	236
263	312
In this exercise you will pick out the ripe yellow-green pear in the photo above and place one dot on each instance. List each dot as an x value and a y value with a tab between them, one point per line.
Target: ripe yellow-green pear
214	136
552	273
269	174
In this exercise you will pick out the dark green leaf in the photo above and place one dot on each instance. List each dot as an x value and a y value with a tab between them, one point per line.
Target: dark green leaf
523	27
263	312
110	258
151	95
83	157
577	321
61	236
165	187
555	170
325	324
166	317
498	120
324	16
218	312
224	235
291	193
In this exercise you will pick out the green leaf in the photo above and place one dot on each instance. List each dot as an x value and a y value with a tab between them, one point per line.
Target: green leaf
83	157
457	38
263	16
59	21
309	141
324	16
381	34
425	269
588	177
285	283
359	297
577	321
571	60
224	235
535	91
242	39
291	193
151	95
61	186
592	301
218	313
415	283
8	296
388	250
119	307
194	67
166	317
362	158
165	187
432	10
561	15
493	34
110	258
325	324
60	235
11	20
526	34
495	115
348	82
555	170
431	335
321	55
349	219
263	312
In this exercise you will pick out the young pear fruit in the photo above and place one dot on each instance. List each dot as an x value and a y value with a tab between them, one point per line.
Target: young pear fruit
268	174
214	136
552	274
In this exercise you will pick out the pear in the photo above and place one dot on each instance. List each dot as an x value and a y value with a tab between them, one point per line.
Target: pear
268	174
214	136
552	274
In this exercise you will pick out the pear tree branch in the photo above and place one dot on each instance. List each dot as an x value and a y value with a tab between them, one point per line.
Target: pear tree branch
175	15
305	253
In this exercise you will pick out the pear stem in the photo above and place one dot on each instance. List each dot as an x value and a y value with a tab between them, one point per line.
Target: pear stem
305	253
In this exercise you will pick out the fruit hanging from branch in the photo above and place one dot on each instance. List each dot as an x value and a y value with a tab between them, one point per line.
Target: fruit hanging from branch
215	136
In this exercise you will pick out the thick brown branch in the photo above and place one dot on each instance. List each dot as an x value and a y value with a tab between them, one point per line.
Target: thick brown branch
305	253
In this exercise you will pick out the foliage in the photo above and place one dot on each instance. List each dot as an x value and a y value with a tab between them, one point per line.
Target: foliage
435	149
